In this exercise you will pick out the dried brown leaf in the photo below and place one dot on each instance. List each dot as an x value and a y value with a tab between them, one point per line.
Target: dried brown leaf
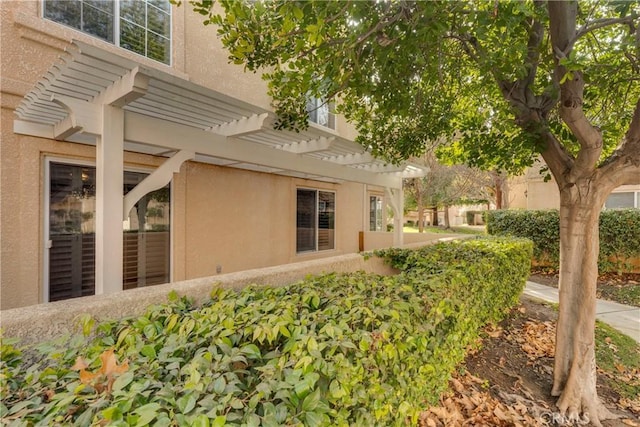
80	364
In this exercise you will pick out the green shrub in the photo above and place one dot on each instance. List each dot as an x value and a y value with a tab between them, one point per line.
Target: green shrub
619	235
341	350
489	272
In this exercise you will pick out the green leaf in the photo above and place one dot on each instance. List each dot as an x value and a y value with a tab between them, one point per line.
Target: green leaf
236	403
123	380
173	296
219	384
112	413
314	419
310	403
297	12
186	403
201	421
303	362
219	421
87	321
337	390
146	413
253	420
148	351
252	351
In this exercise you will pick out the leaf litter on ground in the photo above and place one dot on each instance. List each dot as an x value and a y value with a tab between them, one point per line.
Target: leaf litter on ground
470	401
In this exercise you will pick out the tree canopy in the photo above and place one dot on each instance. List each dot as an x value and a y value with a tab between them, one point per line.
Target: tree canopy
407	73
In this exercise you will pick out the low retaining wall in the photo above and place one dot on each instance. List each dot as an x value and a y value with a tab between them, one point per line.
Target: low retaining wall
41	322
370	240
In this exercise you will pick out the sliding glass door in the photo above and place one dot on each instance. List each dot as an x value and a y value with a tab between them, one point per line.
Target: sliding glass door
71	233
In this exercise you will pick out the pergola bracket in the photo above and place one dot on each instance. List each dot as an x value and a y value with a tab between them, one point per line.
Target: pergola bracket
156	180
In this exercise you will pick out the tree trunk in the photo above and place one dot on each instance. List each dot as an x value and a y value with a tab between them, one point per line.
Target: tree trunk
497	182
447	224
434	216
574	377
420	212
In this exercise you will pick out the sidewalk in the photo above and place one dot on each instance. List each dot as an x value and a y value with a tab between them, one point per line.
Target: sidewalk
624	318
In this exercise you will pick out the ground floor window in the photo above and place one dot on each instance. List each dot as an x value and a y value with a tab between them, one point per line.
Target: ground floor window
375	213
315	220
71	233
627	199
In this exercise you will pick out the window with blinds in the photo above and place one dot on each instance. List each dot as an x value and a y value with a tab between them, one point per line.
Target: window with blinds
315	220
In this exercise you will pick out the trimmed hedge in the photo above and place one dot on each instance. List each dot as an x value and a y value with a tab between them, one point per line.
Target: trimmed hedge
341	350
619	235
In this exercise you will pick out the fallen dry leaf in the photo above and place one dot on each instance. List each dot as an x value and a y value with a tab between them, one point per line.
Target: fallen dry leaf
80	364
104	377
470	405
537	339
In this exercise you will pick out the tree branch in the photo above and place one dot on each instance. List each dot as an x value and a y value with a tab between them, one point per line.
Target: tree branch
536	34
559	161
562	27
595	25
623	166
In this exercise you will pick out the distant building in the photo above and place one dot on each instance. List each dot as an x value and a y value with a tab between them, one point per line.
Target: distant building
530	191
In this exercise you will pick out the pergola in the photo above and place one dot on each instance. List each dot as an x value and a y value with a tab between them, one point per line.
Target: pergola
92	96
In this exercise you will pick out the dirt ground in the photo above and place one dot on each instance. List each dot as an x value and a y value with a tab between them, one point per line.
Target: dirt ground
508	381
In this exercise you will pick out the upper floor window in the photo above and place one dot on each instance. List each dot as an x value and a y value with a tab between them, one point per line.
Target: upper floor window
141	26
319	112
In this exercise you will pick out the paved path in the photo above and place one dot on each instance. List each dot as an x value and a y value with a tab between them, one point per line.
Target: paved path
624	318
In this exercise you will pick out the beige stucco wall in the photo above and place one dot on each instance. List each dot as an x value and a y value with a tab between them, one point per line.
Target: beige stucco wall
239	219
542	195
627	188
223	217
378	240
517	192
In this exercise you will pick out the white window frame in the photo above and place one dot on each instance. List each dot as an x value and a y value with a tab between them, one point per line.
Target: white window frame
47	207
335	226
317	105
116	30
382	218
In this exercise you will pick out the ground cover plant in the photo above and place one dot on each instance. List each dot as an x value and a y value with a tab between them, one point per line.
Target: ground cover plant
353	349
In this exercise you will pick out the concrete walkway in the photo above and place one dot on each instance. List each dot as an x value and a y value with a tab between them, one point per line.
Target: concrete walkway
622	317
